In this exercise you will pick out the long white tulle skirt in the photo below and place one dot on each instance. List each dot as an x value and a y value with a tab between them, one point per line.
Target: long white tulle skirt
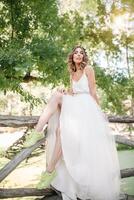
89	167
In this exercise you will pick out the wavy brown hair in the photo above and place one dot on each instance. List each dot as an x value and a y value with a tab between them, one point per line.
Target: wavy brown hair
71	64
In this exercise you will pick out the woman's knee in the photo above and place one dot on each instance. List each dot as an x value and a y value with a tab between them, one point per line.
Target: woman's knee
57	97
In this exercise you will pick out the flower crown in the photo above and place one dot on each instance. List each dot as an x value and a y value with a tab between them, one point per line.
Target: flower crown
79	46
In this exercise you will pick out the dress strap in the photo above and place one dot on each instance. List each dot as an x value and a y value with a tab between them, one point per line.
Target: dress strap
84	71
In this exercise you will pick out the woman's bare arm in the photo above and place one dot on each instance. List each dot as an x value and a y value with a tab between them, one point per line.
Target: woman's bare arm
91	82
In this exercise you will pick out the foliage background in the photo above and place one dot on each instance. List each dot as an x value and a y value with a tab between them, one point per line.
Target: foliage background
36	37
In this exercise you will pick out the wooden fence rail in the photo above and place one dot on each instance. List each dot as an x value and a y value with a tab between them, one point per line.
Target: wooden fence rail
49	193
30	121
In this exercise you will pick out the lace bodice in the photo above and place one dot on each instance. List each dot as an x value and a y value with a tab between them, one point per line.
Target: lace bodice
81	85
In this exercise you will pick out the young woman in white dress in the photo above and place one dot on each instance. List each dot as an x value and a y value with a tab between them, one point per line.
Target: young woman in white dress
80	146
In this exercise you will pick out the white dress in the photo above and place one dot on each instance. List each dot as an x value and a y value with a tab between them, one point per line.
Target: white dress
89	168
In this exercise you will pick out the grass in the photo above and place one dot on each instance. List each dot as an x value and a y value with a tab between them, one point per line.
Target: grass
124	147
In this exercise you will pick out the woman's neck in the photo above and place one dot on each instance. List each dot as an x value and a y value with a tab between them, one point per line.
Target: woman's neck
78	67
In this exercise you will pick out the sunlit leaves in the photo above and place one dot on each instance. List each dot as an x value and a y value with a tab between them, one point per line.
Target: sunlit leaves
36	36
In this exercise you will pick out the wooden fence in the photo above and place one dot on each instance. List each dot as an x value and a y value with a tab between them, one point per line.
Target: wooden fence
16	121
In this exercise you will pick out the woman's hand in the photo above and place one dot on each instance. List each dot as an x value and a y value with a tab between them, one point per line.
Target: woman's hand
65	91
69	91
61	90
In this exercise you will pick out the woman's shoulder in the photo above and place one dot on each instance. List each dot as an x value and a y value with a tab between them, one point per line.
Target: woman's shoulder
89	70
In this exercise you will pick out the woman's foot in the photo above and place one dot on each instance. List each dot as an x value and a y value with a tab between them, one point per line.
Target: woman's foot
32	138
46	179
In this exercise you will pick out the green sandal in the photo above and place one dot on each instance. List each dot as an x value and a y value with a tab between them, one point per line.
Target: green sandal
46	179
32	138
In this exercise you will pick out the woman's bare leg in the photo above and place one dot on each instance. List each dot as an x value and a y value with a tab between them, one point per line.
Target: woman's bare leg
50	108
57	153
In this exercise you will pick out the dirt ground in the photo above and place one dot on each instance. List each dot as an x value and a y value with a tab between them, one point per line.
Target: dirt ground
25	175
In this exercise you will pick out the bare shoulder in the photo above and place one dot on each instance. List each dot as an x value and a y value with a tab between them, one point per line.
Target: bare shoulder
89	70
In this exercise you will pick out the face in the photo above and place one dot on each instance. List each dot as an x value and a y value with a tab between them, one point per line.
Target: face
78	55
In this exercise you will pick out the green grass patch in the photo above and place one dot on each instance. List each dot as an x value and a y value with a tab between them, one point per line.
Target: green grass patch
124	147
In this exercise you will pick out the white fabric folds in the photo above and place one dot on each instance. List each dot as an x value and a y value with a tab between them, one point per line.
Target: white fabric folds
89	168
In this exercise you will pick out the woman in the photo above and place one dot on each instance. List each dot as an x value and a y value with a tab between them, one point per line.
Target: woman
81	149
